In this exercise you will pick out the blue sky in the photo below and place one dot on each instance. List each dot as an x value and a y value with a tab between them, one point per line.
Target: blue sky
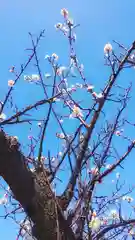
100	21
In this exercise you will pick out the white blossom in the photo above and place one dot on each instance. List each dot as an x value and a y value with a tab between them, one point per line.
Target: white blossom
58	26
39	124
108	166
55	56
60	135
77	112
47	56
89	88
2	116
98	96
117	175
11	83
47	75
95	223
60	154
107	48
61	70
128	199
3	200
64	12
33	77
114	214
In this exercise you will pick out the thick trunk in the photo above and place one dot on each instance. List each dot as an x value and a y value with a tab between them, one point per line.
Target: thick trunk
32	191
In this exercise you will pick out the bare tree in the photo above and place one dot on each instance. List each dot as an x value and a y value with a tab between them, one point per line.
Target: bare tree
83	148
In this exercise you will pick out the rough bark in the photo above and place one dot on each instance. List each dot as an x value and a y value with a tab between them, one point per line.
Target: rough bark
33	192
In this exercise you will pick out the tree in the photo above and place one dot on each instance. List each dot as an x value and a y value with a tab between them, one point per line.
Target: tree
85	150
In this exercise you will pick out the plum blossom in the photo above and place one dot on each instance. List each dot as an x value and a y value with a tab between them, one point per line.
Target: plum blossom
107	48
60	154
73	62
43	158
119	132
64	12
108	166
2	116
11	83
30	137
94	171
11	70
117	175
15	138
61	120
81	68
128	199
56	99
54	162
61	70
70	21
47	75
77	112
95	223
90	88
58	26
65	29
132	56
31	78
104	221
35	77
114	214
60	135
132	232
47	56
32	169
99	96
55	56
79	85
4	199
39	124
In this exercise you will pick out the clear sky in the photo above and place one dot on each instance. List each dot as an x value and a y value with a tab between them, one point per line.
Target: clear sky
100	22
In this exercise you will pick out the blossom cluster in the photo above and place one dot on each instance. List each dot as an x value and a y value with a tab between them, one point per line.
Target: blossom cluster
96	222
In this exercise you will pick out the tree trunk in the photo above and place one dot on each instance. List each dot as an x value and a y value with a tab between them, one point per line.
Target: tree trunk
33	191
